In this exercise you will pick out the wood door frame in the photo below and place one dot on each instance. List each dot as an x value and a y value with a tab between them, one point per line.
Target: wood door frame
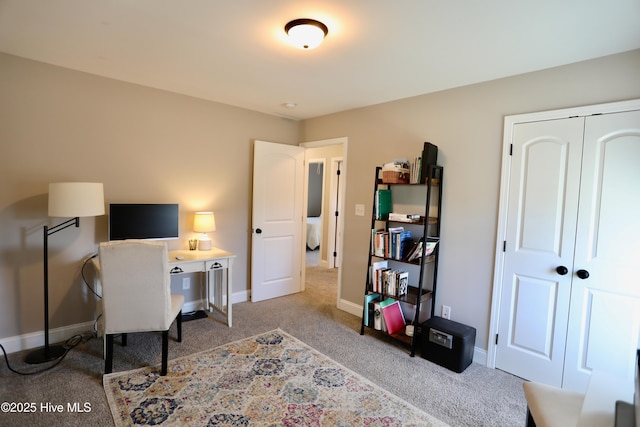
509	123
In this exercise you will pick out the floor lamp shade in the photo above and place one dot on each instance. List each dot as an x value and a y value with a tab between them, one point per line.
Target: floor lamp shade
76	199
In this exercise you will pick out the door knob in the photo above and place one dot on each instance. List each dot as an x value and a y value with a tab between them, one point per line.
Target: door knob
258	230
562	270
583	274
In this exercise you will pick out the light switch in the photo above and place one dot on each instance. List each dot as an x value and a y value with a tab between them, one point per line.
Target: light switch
359	210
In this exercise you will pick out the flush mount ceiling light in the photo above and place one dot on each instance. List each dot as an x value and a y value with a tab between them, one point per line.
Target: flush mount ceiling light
306	33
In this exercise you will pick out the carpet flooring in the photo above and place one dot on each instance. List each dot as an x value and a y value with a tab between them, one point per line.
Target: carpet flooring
477	397
267	380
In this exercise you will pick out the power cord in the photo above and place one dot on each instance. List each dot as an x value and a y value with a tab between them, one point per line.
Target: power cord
68	345
71	342
86	282
84	278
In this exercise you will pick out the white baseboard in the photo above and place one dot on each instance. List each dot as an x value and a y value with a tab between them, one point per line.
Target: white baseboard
479	354
350	307
243	296
36	339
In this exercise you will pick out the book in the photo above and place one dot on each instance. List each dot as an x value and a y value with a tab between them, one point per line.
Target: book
403	283
389	282
368	311
376	268
391	248
424	249
378	319
392	314
415	168
414	251
401	217
403	244
383	204
379	240
429	248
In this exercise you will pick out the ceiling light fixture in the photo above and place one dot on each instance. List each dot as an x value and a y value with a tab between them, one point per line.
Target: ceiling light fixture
306	33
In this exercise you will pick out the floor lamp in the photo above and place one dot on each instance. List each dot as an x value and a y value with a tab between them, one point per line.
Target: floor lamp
66	199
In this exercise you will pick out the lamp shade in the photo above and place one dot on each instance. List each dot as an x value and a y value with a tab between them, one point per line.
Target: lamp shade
76	199
204	222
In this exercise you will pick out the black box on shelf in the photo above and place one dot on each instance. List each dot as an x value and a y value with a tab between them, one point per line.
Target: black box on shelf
447	343
429	157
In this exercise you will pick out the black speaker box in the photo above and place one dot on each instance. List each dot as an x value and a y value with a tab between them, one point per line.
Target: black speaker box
429	157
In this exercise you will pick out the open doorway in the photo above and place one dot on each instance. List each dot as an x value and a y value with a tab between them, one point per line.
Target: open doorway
324	185
315	190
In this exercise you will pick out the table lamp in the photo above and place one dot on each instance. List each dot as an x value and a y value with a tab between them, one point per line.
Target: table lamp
204	222
66	199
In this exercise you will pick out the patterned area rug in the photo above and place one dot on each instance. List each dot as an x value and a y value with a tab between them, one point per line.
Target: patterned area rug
271	379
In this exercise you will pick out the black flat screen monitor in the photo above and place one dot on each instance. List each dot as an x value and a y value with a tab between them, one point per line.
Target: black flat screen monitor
143	221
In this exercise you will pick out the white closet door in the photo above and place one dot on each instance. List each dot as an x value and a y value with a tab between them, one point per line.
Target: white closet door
540	235
604	323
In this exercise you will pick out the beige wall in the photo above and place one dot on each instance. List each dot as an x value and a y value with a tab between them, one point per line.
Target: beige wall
148	145
466	124
145	145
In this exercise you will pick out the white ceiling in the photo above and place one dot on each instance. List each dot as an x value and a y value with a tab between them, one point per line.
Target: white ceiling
235	51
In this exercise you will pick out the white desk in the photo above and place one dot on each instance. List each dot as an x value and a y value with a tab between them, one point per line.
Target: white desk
211	263
208	262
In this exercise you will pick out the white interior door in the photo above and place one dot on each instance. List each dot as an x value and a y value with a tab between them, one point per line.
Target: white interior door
541	224
276	248
604	322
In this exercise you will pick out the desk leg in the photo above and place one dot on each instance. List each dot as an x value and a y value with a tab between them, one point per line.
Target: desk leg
207	284
216	296
229	292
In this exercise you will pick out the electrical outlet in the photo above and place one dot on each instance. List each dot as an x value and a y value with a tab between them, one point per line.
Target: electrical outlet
446	312
359	210
186	283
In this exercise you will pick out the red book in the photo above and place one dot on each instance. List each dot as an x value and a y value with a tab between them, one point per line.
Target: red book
393	316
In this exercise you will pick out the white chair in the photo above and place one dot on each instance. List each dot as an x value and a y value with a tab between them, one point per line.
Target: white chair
136	294
549	406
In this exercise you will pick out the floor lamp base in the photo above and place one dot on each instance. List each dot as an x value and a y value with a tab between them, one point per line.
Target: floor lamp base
42	356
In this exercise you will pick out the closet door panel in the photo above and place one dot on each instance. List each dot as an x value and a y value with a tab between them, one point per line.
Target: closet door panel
541	224
604	318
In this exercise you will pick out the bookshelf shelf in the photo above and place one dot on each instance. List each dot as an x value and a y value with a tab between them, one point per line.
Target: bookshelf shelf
403	255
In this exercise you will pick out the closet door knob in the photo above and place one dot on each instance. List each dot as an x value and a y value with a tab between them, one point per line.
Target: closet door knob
583	274
562	270
258	230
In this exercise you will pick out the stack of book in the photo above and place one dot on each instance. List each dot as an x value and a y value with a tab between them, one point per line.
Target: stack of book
400	217
384	315
393	243
388	281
